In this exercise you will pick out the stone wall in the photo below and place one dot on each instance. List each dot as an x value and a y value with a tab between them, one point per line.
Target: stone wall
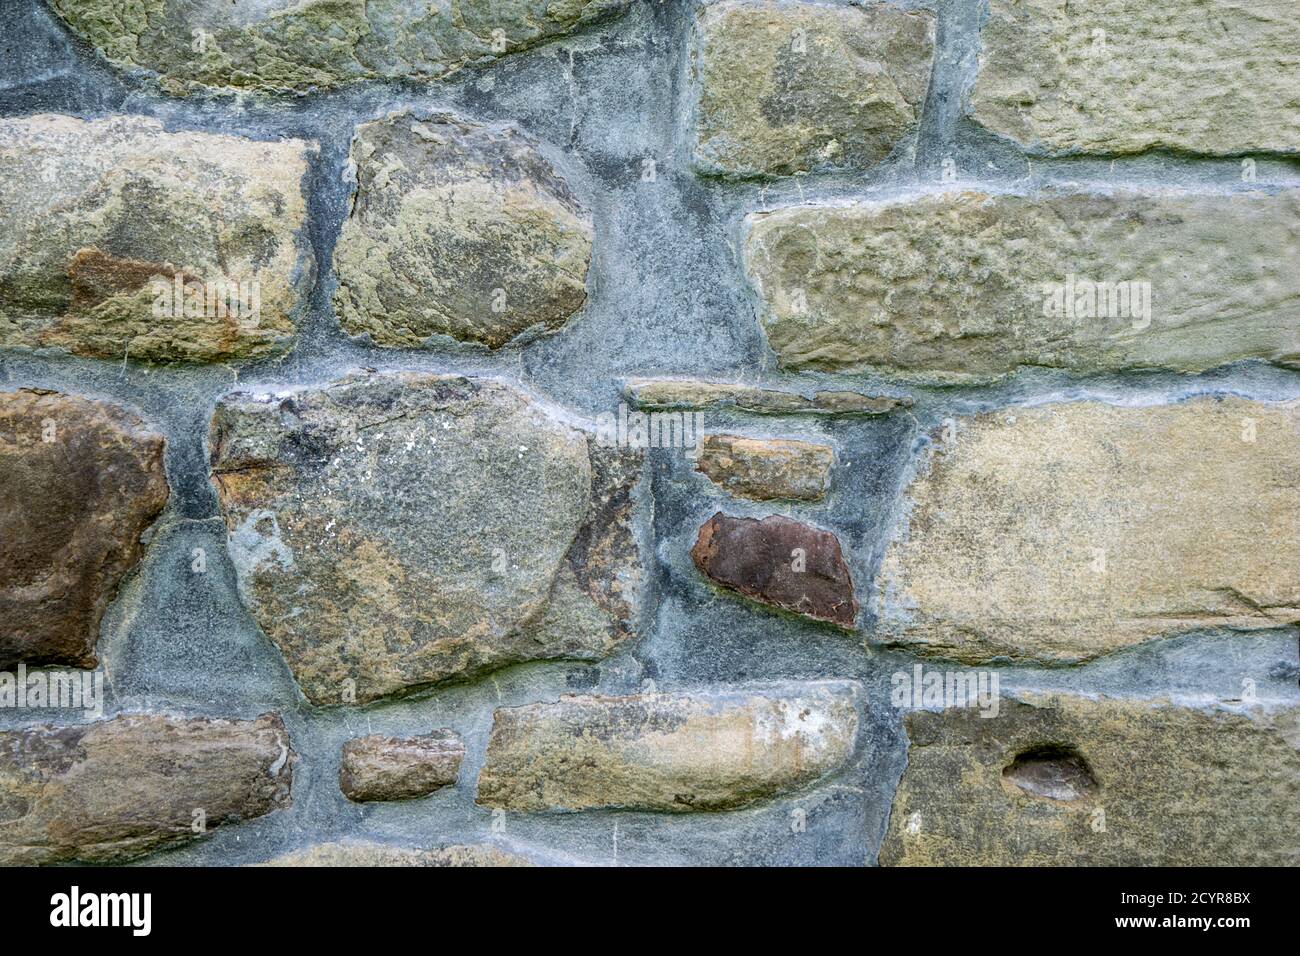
649	432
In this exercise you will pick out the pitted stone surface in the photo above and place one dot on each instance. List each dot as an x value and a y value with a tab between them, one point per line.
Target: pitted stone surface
369	853
80	481
1170	786
396	530
766	468
128	241
956	286
460	230
1120	76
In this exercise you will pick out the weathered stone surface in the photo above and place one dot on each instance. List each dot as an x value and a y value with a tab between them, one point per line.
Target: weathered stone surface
954	286
460	230
671	393
787	88
396	530
1065	531
368	853
277	45
1140	783
80	481
780	562
114	790
397	768
113	211
1206	76
766	468
712	750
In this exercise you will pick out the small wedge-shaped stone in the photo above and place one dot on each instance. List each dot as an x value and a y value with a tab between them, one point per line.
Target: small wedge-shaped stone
460	230
398	768
707	750
1120	76
785	88
276	45
1073	781
779	562
396	530
960	286
80	481
1065	531
368	853
766	468
114	790
127	241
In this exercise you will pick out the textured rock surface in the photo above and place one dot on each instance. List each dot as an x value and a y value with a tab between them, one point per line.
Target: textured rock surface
668	393
397	768
110	791
787	88
951	286
80	481
391	531
460	230
1065	531
113	210
1207	76
298	44
779	562
367	853
713	750
1172	786
766	468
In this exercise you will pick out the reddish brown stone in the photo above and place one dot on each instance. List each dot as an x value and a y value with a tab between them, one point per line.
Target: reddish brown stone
80	481
779	562
398	768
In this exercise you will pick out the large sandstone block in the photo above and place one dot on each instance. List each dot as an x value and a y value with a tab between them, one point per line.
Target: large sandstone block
961	286
127	241
457	229
80	481
278	45
114	790
1064	531
1069	781
396	530
784	88
1121	76
707	750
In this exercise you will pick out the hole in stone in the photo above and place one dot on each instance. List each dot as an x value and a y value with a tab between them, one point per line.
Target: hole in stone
1052	772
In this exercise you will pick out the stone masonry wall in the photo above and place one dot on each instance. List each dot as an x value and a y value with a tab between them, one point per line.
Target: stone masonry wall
649	432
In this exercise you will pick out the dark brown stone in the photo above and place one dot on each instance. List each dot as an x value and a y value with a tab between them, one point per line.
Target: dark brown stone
398	768
762	560
117	789
80	481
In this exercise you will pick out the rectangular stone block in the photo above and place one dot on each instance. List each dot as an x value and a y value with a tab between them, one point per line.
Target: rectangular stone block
707	750
1064	531
117	789
1120	76
965	286
1071	781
